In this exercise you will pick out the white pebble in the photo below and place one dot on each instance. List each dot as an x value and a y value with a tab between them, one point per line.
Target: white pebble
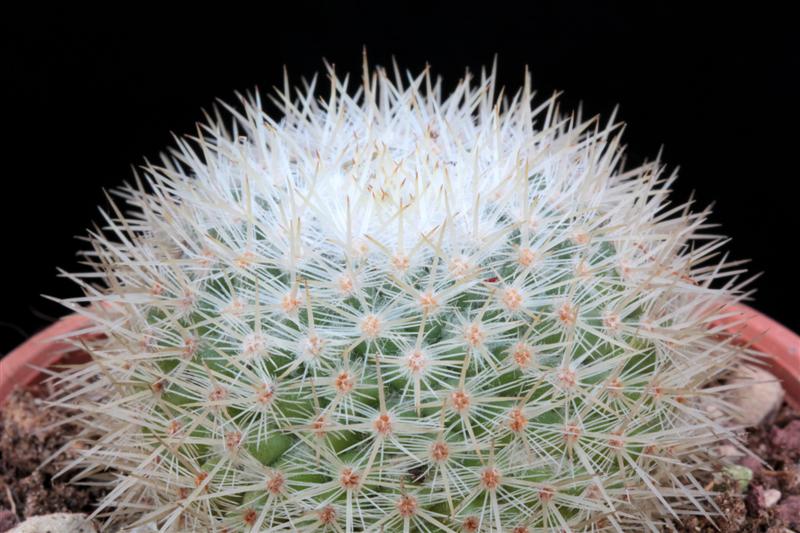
56	523
771	497
761	397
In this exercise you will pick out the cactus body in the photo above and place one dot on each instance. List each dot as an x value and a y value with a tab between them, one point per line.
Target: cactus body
392	311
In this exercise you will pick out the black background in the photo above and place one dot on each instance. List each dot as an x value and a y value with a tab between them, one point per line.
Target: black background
87	95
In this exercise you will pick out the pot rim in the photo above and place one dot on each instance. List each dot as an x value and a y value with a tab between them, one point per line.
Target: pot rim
23	365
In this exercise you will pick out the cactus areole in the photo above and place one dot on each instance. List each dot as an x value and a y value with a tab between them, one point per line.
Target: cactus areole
386	308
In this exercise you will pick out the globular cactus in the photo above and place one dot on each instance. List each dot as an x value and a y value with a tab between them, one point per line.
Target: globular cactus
385	310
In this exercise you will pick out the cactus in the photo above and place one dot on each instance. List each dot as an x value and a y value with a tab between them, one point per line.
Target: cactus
386	310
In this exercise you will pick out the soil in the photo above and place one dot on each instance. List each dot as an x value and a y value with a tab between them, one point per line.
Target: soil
25	489
777	442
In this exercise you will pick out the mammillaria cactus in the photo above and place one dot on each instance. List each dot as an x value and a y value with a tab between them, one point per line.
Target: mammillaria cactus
389	310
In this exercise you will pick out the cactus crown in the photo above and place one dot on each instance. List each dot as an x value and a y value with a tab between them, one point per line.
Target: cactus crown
392	311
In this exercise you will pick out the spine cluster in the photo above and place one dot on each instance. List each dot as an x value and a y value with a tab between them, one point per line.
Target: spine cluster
387	310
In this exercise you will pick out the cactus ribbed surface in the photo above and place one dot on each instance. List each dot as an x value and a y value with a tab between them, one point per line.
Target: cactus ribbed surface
388	310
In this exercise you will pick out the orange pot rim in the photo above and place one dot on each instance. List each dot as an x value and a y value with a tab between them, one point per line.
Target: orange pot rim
23	366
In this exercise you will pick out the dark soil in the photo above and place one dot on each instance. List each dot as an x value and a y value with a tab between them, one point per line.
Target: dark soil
777	442
26	490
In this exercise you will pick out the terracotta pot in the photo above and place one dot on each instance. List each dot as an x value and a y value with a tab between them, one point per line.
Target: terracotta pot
21	367
780	344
